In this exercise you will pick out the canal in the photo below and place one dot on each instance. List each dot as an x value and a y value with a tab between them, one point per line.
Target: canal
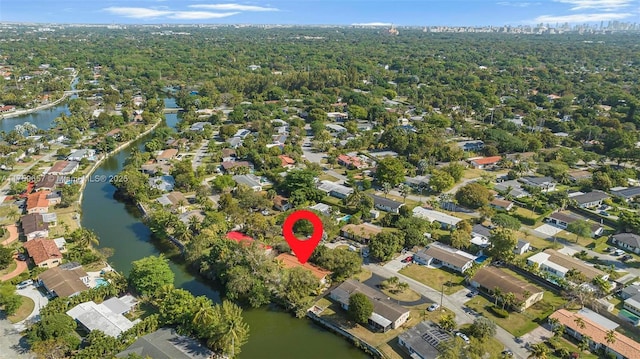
274	333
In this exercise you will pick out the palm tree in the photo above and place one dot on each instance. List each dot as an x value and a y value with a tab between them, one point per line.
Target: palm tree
13	213
194	224
404	191
584	342
232	332
386	188
204	314
610	336
579	322
509	299
497	294
538	351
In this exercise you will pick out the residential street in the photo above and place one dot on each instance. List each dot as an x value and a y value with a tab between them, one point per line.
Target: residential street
454	302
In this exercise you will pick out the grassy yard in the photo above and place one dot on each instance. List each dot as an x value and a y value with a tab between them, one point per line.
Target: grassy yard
9	269
25	309
326	177
407	295
563	343
519	324
434	278
363	275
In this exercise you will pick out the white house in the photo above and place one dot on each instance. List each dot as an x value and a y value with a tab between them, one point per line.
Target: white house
445	220
627	241
558	265
440	254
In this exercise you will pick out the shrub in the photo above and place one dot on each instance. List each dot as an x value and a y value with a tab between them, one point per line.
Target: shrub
502	313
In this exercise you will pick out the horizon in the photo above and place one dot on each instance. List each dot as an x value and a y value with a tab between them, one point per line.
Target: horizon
402	13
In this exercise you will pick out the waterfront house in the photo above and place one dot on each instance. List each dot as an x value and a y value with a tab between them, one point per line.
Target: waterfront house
64	168
44	252
166	343
106	317
77	155
440	254
281	203
66	280
164	183
385	204
33	226
363	232
174	200
589	199
485	162
490	278
423	340
290	261
61	243
37	202
446	221
245	240
49	182
164	157
546	184
558	265
595	327
627	241
386	313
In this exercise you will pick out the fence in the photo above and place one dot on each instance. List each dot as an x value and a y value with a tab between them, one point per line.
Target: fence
368	348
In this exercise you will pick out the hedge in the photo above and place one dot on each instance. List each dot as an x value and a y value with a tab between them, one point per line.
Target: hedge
499	312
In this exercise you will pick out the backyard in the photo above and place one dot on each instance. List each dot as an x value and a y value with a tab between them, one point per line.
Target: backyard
436	279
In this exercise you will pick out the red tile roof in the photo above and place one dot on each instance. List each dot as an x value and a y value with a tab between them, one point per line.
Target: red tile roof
168	154
240	237
38	200
41	250
487	160
286	160
290	261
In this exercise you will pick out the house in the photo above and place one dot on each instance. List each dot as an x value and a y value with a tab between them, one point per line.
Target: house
627	241
61	243
632	304
511	188
490	278
351	162
446	221
485	162
417	182
64	168
337	116
475	145
286	161
37	202
439	254
563	220
386	313
92	316
77	155
546	184
281	203
250	181
630	291
579	175
589	199
166	343
578	325
175	200
290	261
66	280
423	340
363	232
164	183
334	189
235	142
44	252
242	133
115	133
385	204
557	264
480	235
501	204
33	226
233	167
245	240
626	193
49	182
164	157
522	247
321	208
335	129
228	155
198	126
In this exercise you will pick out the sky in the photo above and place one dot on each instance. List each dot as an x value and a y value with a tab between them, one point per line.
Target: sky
322	12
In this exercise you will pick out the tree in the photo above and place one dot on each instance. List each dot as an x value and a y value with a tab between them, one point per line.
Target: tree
223	183
581	228
390	170
385	244
483	328
473	195
231	332
460	239
538	351
580	322
503	241
84	237
10	301
6	257
360	308
506	221
447	322
440	181
149	273
610	336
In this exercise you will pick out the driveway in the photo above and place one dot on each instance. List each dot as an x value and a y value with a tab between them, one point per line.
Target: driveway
39	299
548	230
396	264
21	266
13	234
12	344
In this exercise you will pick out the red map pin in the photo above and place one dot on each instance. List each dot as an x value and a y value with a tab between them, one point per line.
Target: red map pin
302	248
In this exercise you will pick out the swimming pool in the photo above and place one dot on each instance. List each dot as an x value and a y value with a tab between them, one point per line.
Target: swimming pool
346	218
481	259
101	282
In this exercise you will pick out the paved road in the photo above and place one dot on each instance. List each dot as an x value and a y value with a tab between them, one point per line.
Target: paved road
45	158
199	155
12	344
455	303
40	301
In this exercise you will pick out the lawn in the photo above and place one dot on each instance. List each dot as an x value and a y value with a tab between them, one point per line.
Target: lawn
563	343
362	275
9	269
407	295
519	324
25	309
435	278
65	220
326	177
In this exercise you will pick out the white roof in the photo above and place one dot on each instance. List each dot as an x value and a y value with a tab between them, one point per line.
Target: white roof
598	319
377	318
320	207
543	258
437	216
100	317
633	302
60	242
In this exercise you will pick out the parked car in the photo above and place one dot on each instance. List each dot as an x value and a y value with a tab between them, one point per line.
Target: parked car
472	294
463	337
24	284
626	257
507	353
619	252
22	257
604	213
433	307
407	260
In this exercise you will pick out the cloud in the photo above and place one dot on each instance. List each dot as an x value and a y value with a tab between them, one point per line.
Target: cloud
233	7
373	24
149	13
517	3
581	18
606	5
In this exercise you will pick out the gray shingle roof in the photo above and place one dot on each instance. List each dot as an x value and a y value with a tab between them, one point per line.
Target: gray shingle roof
629	239
165	343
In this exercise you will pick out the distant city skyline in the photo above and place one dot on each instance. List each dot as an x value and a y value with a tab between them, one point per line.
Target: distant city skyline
323	12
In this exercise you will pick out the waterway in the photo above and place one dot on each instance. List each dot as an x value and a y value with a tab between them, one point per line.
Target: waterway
274	333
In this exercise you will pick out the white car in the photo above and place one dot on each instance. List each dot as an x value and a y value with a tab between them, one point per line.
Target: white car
24	284
463	337
433	307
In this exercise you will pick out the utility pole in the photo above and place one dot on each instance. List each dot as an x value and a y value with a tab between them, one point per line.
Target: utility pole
441	296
